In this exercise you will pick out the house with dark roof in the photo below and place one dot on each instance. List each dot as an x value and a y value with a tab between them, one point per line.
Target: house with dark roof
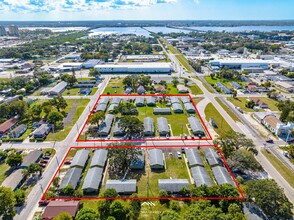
162	125
149	126
156	159
18	131
92	180
80	159
42	131
196	126
122	186
32	157
55	207
173	185
162	111
141	90
117	130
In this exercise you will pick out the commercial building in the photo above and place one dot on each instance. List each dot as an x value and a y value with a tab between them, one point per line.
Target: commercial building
173	185
13	30
67	67
91	63
135	68
58	89
143	58
244	63
122	186
286	86
2	31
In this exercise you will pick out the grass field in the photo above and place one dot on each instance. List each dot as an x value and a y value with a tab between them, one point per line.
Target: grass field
222	126
80	106
115	86
282	169
223	81
3	168
197	100
226	108
76	92
241	101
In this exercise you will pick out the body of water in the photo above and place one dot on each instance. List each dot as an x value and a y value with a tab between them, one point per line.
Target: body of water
245	28
119	30
56	29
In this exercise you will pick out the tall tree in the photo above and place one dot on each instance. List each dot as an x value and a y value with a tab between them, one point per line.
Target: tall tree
175	81
87	213
131	125
97	118
118	210
58	102
14	159
7	202
63	216
169	215
54	118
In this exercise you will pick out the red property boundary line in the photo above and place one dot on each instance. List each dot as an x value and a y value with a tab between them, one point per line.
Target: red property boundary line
241	197
147	139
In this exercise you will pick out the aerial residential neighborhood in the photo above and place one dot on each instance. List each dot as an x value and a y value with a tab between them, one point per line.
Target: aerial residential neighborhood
107	113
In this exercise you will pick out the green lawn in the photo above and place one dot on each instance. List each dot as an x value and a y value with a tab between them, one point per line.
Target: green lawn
5	80
115	86
71	92
226	108
280	167
3	168
271	103
240	102
226	82
195	89
80	106
222	126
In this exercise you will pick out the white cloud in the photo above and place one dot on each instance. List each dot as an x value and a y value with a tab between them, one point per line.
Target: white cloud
75	5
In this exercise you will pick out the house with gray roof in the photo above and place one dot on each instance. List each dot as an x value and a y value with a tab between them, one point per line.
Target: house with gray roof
174	99
190	107
156	159
162	125
149	126
101	108
104	100
193	157
222	175
139	101
116	100
122	186
105	127
112	106
58	89
177	108
92	180
151	100
196	126
161	111
212	157
200	176
173	185
18	131
99	158
80	159
42	131
139	162
32	157
185	99
71	178
14	180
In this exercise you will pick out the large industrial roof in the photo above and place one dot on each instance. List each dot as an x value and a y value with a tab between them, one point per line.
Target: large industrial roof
136	65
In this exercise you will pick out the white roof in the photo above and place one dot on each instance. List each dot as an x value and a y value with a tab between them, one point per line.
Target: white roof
135	65
243	61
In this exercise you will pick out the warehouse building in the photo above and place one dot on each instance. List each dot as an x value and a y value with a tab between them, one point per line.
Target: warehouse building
92	180
156	67
91	63
200	176
99	158
58	89
244	63
196	127
156	159
80	159
122	186
162	124
190	107
222	175
161	111
193	157
149	126
105	127
177	108
71	178
173	185
212	157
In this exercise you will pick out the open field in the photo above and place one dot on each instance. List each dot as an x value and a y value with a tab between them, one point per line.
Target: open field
222	126
241	101
282	169
226	108
3	168
76	92
115	86
226	82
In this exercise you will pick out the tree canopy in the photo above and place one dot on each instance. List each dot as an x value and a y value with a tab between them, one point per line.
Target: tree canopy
7	202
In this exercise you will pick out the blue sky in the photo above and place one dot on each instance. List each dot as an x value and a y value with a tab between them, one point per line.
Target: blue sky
146	9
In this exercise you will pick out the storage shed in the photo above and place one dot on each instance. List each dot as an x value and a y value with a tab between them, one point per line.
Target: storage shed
222	175
92	180
80	159
162	125
71	178
173	185
156	159
161	111
149	126
99	158
177	108
193	157
105	127
189	107
200	176
122	186
196	126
